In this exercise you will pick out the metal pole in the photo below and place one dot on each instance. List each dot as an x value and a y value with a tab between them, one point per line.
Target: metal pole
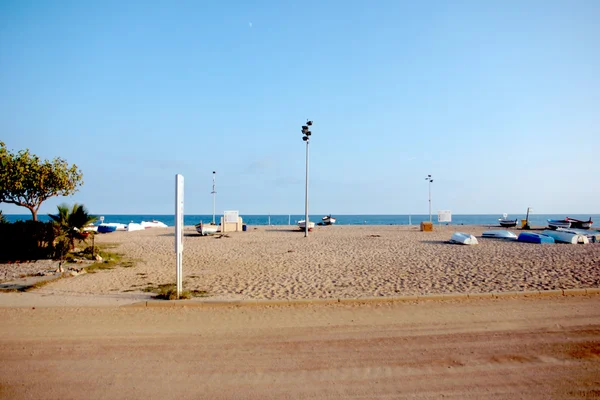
306	196
430	201
214	192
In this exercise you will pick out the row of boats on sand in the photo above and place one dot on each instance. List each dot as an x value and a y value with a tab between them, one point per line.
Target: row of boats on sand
132	226
548	236
553	223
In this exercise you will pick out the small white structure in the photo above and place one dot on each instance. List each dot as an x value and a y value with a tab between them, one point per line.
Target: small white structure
444	216
231	222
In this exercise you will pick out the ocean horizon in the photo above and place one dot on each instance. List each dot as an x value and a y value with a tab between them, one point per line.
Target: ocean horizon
341	219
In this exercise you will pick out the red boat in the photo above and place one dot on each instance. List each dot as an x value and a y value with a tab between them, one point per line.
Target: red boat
579	224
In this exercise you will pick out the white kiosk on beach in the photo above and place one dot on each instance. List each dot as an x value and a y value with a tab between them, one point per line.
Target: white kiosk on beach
231	222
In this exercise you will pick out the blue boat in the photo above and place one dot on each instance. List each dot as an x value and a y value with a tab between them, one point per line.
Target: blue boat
531	237
102	228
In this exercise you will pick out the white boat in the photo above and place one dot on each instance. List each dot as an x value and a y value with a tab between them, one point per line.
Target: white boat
558	223
328	220
153	224
116	225
499	234
463	238
565	236
206	229
592	235
90	228
132	226
507	223
302	225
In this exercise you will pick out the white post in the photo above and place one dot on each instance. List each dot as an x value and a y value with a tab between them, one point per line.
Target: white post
289	219
306	196
179	230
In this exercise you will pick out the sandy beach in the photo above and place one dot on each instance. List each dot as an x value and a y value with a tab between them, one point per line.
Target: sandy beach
534	348
89	336
278	262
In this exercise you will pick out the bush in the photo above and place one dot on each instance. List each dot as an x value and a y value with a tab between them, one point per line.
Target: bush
26	240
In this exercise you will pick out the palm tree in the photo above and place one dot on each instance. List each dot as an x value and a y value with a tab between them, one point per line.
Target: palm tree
69	223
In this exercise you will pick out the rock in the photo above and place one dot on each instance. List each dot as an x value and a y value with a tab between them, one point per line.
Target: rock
97	257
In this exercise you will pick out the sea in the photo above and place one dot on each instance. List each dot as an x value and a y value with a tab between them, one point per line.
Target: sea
361	219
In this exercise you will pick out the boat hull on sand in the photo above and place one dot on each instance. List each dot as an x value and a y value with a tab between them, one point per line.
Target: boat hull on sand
207	229
328	220
592	235
532	237
302	225
111	227
153	224
579	224
564	236
463	238
558	223
507	223
499	234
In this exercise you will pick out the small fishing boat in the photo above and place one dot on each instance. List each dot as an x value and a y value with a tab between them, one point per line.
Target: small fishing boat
302	225
463	238
592	235
328	220
111	227
532	237
132	226
558	223
507	223
499	234
564	236
579	224
90	228
206	229
153	224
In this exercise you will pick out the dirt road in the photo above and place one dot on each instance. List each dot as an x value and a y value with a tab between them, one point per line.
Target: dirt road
507	348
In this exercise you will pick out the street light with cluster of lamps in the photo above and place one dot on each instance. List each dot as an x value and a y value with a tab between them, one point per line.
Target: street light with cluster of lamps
306	137
429	179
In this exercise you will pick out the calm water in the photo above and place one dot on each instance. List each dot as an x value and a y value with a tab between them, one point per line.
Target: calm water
465	219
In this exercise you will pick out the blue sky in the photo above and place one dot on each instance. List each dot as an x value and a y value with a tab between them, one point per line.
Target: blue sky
498	100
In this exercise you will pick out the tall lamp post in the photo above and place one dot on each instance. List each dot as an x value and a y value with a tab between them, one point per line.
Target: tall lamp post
214	192
429	179
306	137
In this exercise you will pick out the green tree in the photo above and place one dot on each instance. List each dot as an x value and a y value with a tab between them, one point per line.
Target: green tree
69	223
28	181
2	218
